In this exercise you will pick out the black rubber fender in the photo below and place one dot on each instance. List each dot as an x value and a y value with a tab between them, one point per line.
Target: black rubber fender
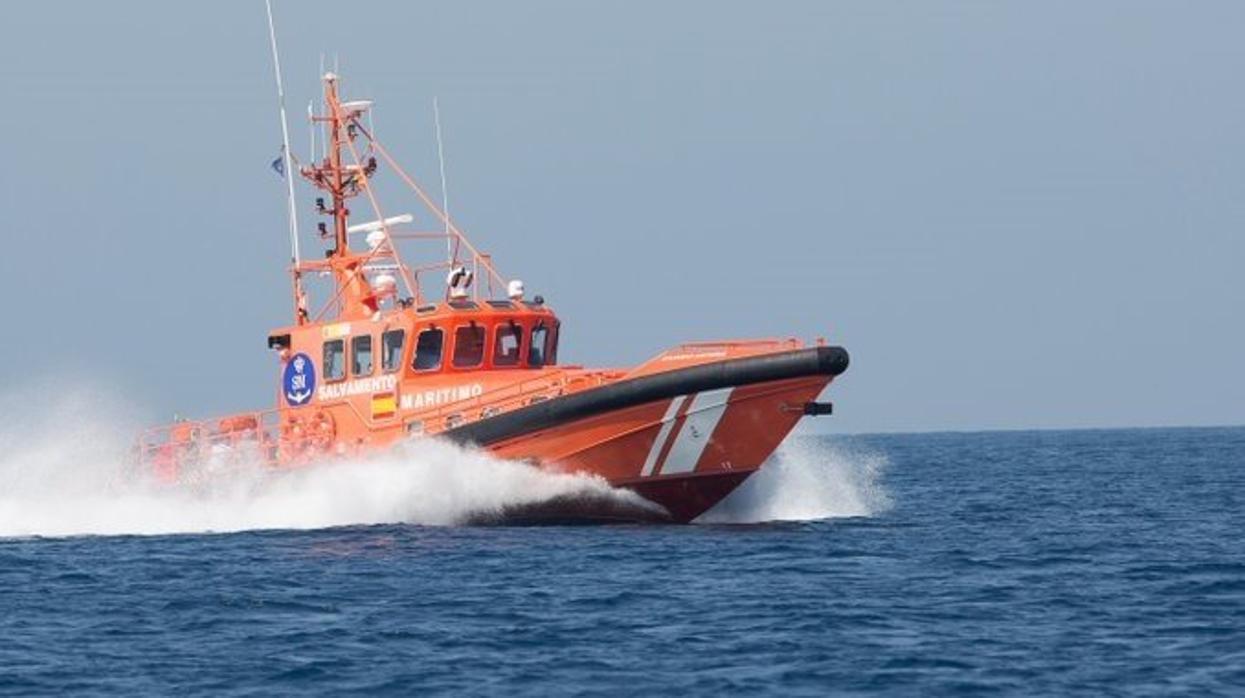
813	361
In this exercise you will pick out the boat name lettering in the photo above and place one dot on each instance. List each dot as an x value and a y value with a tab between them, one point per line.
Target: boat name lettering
420	399
336	391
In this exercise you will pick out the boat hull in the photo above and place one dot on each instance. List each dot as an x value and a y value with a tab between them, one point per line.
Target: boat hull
709	428
681	438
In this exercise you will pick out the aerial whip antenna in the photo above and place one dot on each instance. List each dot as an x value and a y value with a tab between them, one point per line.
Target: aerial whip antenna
311	127
324	134
371	125
445	194
288	162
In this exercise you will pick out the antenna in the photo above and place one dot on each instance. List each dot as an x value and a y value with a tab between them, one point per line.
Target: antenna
285	153
445	194
324	135
311	128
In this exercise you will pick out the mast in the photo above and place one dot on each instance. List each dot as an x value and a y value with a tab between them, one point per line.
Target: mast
365	278
342	181
341	240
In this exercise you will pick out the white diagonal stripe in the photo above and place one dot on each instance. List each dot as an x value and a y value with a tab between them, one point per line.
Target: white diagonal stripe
702	418
667	423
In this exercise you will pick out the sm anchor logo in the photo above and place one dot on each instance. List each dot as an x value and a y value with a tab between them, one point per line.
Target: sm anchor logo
299	380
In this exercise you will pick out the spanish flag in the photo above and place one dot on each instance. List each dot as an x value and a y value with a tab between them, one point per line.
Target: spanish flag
384	405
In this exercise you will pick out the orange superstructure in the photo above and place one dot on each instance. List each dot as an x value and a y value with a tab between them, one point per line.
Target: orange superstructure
476	361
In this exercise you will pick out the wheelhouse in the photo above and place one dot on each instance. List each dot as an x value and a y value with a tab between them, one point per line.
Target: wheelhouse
474	339
436	339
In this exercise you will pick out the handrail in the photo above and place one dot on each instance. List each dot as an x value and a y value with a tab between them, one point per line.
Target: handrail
553	379
772	341
508	397
205	434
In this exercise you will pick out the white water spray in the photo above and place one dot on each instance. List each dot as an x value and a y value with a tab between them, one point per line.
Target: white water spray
68	472
806	480
66	469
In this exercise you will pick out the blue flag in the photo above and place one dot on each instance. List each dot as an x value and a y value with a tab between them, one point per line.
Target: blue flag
278	165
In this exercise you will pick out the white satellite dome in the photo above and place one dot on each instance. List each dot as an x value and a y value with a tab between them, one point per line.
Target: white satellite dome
384	284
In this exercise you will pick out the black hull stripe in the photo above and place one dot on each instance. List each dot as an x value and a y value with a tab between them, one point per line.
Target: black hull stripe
814	361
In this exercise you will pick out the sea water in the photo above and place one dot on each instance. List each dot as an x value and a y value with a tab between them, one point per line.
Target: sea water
1017	563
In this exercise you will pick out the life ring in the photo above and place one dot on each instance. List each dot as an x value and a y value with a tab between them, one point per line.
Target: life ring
321	431
304	439
293	441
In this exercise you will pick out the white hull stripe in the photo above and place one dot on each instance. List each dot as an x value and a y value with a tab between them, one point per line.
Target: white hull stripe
701	419
667	423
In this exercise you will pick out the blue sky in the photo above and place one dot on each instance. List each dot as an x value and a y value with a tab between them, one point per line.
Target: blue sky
1013	214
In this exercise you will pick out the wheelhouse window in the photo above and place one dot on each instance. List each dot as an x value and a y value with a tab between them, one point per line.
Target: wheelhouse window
428	350
544	351
551	344
334	360
536	355
361	355
391	350
468	346
506	344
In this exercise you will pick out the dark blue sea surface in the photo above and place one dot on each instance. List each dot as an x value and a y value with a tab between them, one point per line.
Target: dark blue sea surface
1057	563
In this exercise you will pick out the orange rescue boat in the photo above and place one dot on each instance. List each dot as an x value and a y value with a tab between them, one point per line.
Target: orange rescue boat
476	362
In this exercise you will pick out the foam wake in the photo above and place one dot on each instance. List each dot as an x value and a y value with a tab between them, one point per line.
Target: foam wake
808	479
66	470
72	475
